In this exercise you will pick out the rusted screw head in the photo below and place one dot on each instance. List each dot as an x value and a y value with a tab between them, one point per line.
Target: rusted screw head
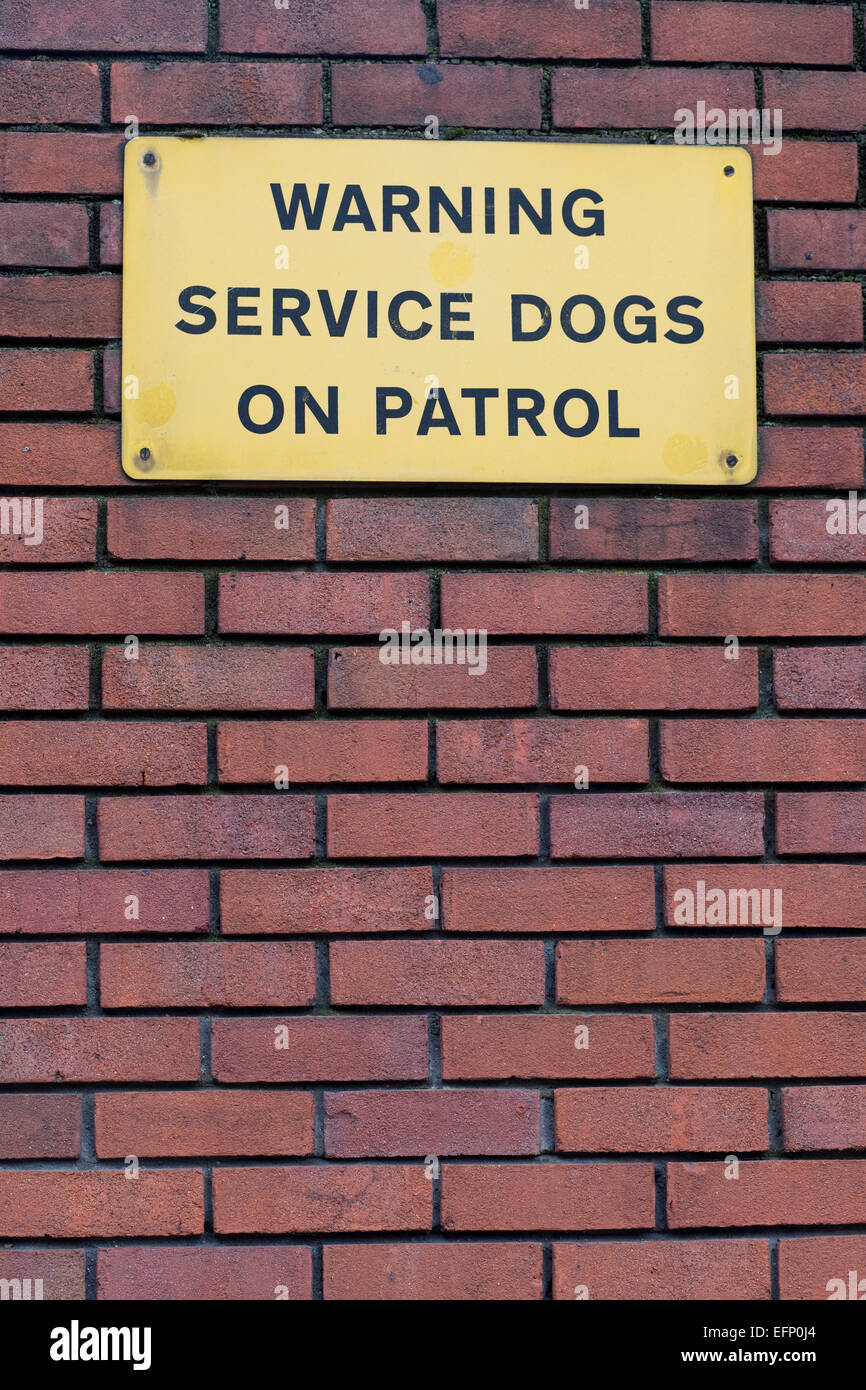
149	159
729	170
732	460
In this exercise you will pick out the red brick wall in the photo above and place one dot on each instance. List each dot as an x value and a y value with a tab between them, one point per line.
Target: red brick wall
430	1125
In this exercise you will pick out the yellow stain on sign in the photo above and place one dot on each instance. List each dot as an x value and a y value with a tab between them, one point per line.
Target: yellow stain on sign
438	311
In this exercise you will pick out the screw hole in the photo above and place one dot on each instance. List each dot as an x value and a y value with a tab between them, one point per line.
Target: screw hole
149	159
729	171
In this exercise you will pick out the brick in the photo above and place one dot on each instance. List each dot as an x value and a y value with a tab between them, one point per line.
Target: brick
821	822
43	975
826	971
400	1124
643	678
545	602
818	100
60	306
781	1192
191	1123
225	94
762	605
41	92
359	679
799	532
317	603
660	1119
44	234
207	974
710	32
807	171
660	971
427	824
313	901
44	678
662	1270
634	529
99	1049
323	750
62	530
204	1273
383	26
458	94
557	899
111	253
207	827
411	529
807	1266
795	456
727	1046
485	1047
84	901
808	383
823	1117
95	602
464	1270
107	24
547	1196
41	753
438	973
78	1204
763	750
41	827
808	311
829	239
608	825
504	28
60	162
634	98
206	528
208	678
355	1048
45	379
812	895
39	1126
328	1198
62	1273
542	750
39	454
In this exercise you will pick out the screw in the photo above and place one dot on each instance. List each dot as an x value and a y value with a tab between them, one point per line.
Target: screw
149	159
145	458
729	169
732	460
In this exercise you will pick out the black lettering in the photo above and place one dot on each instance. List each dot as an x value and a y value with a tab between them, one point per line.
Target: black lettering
394	314
296	314
598	320
306	401
300	198
391	208
352	194
518	202
519	334
673	313
448	316
208	317
237	311
594	223
647	320
384	413
337	326
529	413
277	409
438	200
575	431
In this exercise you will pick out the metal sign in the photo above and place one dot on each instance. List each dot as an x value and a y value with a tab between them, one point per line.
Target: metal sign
437	311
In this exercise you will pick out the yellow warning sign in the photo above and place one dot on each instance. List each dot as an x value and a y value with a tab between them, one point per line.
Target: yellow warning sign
437	311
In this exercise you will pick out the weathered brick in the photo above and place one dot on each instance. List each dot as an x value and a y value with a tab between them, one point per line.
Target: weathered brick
208	678
817	101
832	239
631	98
633	529
660	972
824	1117
439	973
61	1272
207	827
42	976
45	379
763	750
329	1198
313	901
60	306
728	1046
545	602
354	1048
99	1049
161	1202
44	234
782	1192
225	94
556	898
44	678
796	456
811	895
359	679
317	603
808	311
485	1047
456	1270
398	1124
542	750
807	1266
661	1119
713	32
206	528
39	454
39	1126
98	602
41	827
824	970
547	1196
662	1270
193	1123
55	162
39	92
81	901
506	28
424	824
821	822
205	1273
762	605
311	26
807	171
432	528
799	532
458	94
107	24
320	750
809	383
664	825
42	753
221	974
638	678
